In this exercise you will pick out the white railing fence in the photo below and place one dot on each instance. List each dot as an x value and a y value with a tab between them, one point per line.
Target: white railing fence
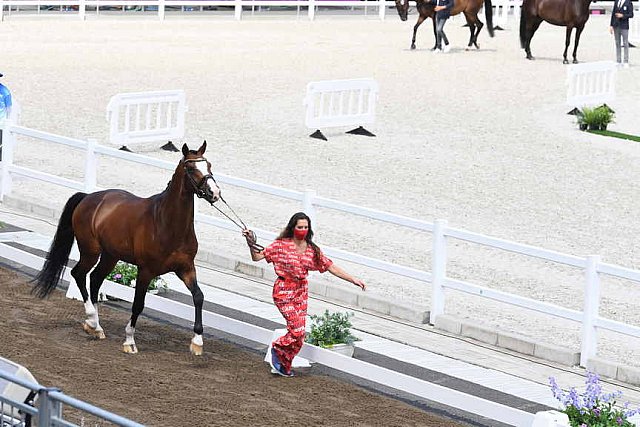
139	117
79	7
589	317
591	83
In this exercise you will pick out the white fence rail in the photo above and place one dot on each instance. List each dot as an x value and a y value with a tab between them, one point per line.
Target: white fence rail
398	381
591	83
593	268
139	117
79	7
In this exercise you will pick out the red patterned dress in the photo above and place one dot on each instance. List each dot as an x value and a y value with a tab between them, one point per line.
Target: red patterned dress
290	292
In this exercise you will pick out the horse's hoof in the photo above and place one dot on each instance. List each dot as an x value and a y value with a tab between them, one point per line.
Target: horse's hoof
575	61
530	58
99	334
564	61
130	348
195	349
413	47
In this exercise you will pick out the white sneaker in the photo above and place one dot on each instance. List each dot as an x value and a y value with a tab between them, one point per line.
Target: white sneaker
626	65
437	51
446	48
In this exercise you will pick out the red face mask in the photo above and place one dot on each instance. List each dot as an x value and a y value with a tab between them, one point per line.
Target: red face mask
300	234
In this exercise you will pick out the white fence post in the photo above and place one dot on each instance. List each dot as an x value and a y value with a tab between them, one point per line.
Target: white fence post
8	144
438	269
312	10
161	10
307	205
90	167
238	10
589	344
82	9
381	9
2	10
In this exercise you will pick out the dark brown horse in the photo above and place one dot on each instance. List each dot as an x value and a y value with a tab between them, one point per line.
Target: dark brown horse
565	13
155	233
470	8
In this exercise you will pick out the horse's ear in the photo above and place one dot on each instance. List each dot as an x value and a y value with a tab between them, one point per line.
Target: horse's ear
202	148
185	150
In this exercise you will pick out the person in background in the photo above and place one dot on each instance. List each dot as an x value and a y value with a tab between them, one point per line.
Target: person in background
293	254
443	12
5	108
619	27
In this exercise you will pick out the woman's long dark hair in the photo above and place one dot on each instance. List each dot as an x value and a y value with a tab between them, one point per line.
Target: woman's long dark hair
287	233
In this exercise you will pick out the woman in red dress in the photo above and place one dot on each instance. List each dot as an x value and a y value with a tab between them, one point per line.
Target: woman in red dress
293	254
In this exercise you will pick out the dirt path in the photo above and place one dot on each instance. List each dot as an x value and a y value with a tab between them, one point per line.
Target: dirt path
164	384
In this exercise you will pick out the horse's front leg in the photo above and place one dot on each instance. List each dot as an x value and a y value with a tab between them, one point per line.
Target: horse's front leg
142	284
189	278
415	31
575	47
567	40
479	26
435	33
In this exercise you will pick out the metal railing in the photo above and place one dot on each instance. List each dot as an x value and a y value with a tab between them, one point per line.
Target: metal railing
48	408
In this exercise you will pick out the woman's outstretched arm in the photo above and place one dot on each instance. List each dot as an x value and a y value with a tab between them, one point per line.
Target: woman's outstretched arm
339	272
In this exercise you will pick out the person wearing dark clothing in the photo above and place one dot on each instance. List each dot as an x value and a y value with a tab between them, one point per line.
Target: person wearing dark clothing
622	11
443	12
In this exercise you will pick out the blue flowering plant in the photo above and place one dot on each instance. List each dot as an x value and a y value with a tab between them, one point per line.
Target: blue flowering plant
593	407
125	274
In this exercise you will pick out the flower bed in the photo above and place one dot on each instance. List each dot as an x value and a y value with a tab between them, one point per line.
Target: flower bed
126	274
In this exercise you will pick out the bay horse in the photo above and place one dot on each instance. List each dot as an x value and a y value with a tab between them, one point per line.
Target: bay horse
565	13
154	233
470	8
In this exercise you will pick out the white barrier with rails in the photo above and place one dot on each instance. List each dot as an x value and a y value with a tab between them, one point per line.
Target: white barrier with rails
435	274
350	102
591	83
139	117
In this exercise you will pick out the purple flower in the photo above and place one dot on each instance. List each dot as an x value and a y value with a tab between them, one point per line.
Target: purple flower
117	276
583	425
596	412
619	420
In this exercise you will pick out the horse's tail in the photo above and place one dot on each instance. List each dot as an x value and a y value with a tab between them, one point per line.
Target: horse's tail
58	256
523	27
488	11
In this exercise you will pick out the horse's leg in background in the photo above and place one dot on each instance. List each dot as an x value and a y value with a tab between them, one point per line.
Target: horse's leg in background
577	40
88	258
142	284
567	41
472	27
532	27
421	19
188	276
97	276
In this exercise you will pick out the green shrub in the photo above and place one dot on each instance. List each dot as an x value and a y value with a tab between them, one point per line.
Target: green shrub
126	274
330	329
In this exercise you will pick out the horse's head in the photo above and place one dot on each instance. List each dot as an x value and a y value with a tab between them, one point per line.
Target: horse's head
198	171
403	8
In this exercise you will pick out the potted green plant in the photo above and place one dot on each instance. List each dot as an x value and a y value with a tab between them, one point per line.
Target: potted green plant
597	118
332	331
125	274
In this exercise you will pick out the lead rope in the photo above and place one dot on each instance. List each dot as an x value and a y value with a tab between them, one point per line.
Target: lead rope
253	244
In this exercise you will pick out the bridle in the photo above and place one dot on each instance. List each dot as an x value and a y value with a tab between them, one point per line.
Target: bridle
199	190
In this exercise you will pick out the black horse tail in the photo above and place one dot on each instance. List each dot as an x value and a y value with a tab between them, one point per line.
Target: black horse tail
58	256
523	27
488	11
